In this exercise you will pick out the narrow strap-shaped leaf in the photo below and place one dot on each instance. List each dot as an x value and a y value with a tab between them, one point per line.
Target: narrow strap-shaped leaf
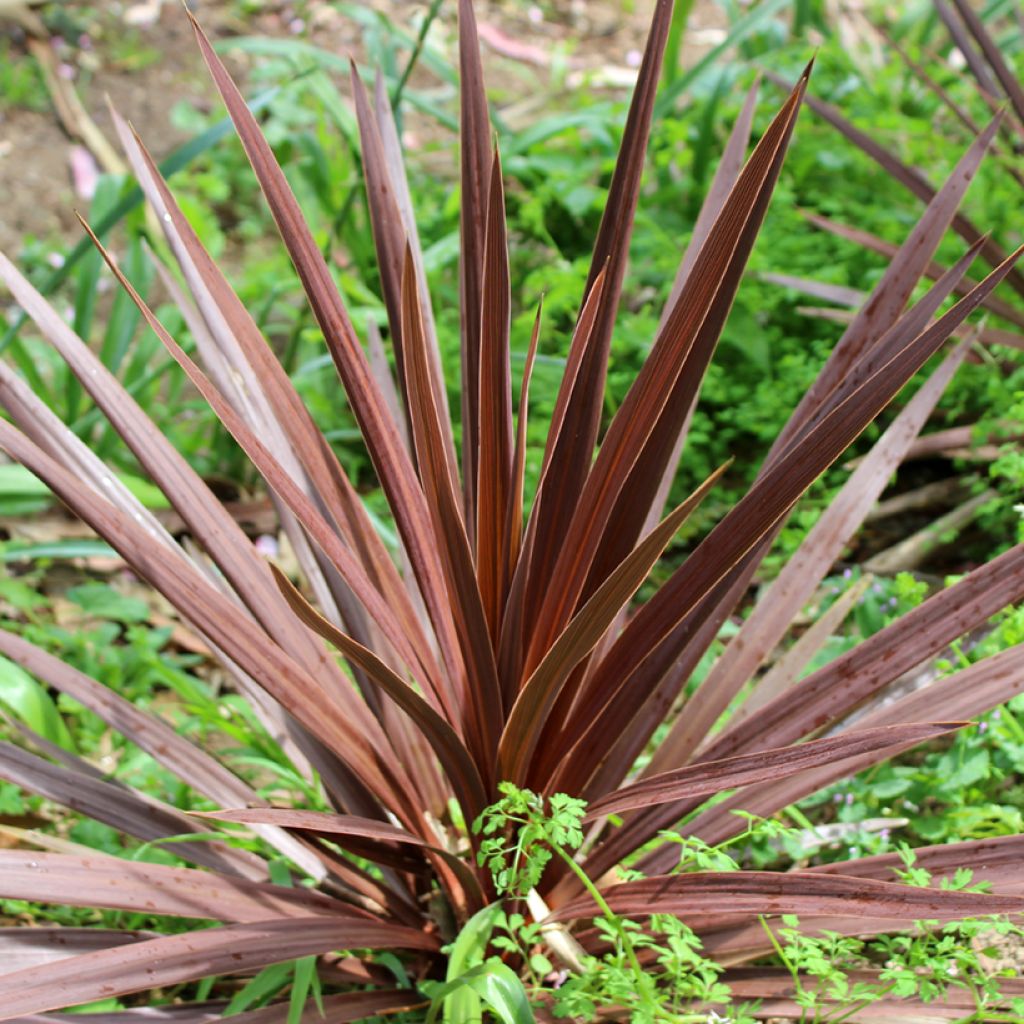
979	688
121	808
908	326
722	183
708	777
250	356
526	721
27	947
482	696
178	958
494	469
582	411
216	615
788	668
933	270
139	887
350	567
383	440
209	522
706	297
779	605
909	177
643	495
190	763
863	671
726	173
444	740
963	44
996	859
827	696
764	505
403	197
527	588
513	546
990	48
390	235
346	825
475	141
792	892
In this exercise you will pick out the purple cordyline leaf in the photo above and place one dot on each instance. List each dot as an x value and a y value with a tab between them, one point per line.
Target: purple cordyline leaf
346	562
27	947
190	763
666	670
722	184
793	587
383	440
774	991
661	456
494	468
524	728
347	825
976	64
338	1009
996	860
827	696
526	589
764	505
635	513
933	270
400	184
732	938
788	668
189	1013
475	141
269	396
122	808
890	295
610	257
704	301
708	777
41	425
177	958
390	235
216	615
481	710
837	293
793	892
381	369
907	327
516	548
909	177
135	886
207	519
705	298
971	692
459	767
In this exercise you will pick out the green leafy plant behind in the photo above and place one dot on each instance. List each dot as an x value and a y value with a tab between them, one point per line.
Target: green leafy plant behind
490	653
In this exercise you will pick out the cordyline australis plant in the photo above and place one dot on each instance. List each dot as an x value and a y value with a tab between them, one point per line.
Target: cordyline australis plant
495	647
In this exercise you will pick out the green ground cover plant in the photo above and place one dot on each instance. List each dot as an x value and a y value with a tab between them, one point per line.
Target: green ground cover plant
493	659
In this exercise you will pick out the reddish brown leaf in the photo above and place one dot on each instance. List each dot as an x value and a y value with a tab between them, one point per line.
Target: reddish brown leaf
793	892
708	777
481	695
178	958
138	887
525	724
383	440
494	469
